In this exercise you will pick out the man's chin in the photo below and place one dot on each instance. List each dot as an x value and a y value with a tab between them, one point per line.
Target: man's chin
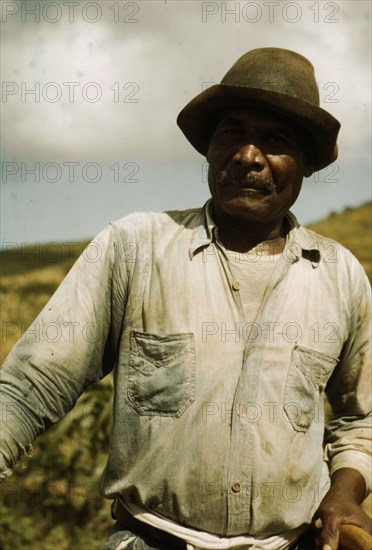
253	205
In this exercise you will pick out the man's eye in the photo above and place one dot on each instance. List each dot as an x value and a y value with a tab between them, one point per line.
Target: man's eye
277	138
230	131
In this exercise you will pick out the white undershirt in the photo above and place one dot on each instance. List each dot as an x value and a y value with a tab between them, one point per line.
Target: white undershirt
253	271
200	540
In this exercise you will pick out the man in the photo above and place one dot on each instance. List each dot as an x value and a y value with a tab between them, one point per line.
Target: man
224	325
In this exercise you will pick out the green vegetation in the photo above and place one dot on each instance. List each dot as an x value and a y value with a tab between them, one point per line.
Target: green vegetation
352	228
52	501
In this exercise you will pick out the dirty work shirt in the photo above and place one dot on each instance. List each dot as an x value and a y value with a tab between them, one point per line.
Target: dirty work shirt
213	428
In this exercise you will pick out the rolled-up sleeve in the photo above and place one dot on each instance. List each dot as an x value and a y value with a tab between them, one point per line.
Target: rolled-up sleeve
348	442
70	345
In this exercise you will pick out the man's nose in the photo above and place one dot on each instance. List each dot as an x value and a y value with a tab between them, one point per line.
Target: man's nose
250	156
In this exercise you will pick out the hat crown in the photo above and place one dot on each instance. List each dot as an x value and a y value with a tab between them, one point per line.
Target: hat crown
277	70
279	80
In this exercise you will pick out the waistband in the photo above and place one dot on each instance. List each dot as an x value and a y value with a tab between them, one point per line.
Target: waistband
155	537
151	535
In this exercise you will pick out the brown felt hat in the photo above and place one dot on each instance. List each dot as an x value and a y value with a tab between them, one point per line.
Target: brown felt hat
280	80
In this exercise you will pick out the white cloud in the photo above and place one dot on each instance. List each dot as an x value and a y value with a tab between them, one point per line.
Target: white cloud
168	55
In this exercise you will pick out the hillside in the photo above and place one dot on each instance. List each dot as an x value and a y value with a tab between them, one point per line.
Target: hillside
352	228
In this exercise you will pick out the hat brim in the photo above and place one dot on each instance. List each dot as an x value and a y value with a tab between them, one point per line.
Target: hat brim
197	120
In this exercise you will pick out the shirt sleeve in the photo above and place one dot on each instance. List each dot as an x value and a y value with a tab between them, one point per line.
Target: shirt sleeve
71	344
348	434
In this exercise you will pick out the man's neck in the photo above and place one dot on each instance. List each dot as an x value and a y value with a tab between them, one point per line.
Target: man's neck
241	235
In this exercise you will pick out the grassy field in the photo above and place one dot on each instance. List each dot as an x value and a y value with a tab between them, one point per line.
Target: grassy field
51	502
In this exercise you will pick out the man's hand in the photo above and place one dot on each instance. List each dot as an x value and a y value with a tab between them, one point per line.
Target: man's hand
342	505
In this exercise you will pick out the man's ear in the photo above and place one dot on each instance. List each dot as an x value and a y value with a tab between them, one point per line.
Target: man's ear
308	152
308	162
308	169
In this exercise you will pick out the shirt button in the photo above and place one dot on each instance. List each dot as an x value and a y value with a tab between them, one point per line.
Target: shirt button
236	486
236	285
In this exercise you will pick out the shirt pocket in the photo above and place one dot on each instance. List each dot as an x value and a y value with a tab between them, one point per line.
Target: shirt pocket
307	376
161	373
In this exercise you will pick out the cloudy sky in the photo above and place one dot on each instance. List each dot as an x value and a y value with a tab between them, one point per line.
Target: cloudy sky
91	91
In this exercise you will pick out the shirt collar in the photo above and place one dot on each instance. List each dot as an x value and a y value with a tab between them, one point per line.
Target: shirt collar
202	235
299	242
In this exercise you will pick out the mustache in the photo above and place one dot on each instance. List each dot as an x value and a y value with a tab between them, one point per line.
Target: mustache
240	177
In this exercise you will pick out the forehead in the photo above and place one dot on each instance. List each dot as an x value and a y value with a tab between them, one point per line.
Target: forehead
253	115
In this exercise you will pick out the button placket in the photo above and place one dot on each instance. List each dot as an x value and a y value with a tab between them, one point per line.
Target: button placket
241	441
238	501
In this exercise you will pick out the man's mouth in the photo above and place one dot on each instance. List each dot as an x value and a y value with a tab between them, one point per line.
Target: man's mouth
246	181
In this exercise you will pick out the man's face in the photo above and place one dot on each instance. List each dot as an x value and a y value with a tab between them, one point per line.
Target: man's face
256	165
